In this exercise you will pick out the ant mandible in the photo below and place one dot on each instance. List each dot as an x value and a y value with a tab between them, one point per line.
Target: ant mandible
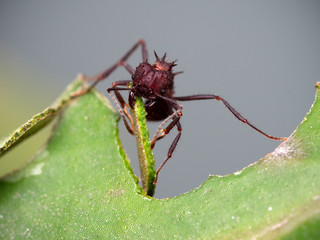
155	83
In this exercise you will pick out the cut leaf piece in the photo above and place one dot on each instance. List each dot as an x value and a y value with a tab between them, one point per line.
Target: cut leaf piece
145	153
78	187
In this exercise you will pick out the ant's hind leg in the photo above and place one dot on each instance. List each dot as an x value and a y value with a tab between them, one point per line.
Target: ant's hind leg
230	108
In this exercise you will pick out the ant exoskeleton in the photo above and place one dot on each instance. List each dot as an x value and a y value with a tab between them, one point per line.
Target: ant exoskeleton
155	83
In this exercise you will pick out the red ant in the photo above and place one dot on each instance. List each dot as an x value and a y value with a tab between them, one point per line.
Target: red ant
155	83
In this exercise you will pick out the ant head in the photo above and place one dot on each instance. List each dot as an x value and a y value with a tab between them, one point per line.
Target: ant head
162	64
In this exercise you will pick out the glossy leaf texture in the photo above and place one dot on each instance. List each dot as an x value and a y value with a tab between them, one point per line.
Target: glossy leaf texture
81	186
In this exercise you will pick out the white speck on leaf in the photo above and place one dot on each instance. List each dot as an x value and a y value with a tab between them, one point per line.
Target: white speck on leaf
37	170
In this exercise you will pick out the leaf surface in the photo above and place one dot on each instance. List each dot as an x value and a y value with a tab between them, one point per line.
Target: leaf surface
81	186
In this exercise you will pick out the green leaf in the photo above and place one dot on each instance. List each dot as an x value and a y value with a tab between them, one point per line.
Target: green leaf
81	186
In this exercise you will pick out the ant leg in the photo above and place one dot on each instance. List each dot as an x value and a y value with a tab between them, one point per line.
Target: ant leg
122	107
128	67
122	62
231	109
166	130
175	116
170	151
115	89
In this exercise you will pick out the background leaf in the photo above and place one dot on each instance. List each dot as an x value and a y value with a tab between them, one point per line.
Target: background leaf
81	186
40	120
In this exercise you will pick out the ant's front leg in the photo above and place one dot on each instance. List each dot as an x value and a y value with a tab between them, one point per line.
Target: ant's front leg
122	108
122	62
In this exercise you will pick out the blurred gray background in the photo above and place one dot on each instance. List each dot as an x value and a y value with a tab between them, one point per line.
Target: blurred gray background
262	56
